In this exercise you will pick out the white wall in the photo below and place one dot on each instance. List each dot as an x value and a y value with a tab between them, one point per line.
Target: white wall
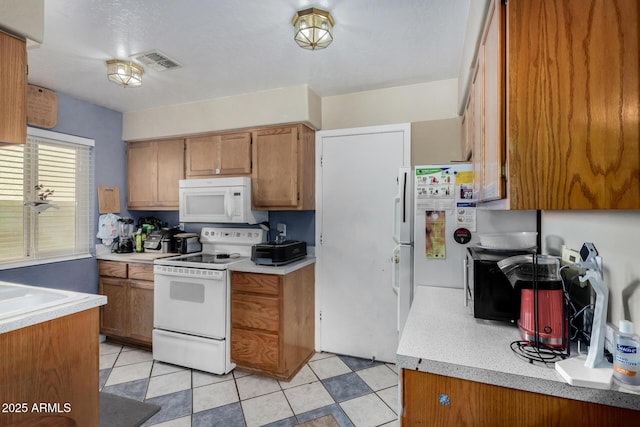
616	235
402	104
296	104
24	18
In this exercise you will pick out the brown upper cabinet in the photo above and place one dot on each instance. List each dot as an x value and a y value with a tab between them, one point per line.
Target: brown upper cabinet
557	89
217	155
283	175
13	87
153	170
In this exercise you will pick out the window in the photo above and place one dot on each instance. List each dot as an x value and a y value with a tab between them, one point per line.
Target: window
46	189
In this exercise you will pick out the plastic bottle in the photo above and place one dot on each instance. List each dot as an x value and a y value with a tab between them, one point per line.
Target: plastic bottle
626	357
139	240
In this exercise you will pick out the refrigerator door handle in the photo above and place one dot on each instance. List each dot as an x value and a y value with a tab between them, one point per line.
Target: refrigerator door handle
465	275
395	260
396	226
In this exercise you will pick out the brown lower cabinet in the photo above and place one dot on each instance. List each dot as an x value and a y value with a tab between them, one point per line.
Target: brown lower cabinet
272	321
470	403
49	373
128	314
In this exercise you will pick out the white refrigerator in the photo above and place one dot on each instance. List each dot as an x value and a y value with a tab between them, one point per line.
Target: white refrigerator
402	255
432	243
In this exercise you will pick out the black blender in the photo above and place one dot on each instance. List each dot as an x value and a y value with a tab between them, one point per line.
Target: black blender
125	236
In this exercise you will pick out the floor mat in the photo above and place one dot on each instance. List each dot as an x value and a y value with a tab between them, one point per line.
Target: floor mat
118	411
326	421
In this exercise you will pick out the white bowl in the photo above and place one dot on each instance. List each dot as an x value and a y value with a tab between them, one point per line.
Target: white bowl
515	240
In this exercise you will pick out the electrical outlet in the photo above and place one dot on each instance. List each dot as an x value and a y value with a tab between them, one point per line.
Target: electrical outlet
609	338
569	256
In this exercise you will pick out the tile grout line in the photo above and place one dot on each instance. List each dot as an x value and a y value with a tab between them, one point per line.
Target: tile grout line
280	388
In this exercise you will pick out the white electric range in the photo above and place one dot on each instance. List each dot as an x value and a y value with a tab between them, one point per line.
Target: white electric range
192	299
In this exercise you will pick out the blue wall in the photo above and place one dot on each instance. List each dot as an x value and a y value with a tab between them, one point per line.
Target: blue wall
301	225
104	126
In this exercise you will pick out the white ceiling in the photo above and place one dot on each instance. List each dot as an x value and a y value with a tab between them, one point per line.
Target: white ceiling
230	47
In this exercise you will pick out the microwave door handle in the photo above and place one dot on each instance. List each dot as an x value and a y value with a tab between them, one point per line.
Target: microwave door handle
228	203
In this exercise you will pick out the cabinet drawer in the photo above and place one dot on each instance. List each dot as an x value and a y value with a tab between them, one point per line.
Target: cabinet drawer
255	311
255	349
113	269
267	284
141	271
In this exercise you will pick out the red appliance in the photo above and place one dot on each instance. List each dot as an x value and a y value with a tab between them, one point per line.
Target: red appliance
544	320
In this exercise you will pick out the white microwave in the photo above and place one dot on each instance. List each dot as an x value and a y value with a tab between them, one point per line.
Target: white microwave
221	200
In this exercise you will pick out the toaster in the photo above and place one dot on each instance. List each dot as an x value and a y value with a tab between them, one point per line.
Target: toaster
161	241
187	243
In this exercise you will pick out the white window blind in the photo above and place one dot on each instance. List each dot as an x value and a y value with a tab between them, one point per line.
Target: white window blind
51	170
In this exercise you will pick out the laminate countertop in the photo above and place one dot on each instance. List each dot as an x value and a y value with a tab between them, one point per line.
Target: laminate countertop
442	337
104	253
23	305
249	266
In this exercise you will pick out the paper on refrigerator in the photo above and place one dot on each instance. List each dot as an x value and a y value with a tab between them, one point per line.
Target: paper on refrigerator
442	192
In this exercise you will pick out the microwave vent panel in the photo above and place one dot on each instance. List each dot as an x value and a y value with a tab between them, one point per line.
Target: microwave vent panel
156	60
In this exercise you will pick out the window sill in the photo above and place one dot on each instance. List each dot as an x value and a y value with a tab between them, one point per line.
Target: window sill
42	261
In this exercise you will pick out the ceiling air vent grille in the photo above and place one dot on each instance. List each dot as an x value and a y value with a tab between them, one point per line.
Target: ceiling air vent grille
156	61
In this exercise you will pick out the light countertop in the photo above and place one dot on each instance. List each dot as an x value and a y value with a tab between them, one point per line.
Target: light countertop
74	303
442	337
249	266
104	253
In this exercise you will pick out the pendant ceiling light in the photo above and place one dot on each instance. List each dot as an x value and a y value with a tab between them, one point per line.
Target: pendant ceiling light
124	73
313	28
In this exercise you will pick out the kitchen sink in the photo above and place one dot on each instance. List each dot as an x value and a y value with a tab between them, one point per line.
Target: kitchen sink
18	299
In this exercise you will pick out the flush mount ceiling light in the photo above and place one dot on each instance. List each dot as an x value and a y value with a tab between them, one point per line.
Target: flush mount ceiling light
124	73
313	28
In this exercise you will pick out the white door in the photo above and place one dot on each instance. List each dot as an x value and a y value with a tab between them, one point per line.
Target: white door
356	185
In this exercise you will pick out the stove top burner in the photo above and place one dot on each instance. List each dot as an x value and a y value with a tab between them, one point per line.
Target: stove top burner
211	258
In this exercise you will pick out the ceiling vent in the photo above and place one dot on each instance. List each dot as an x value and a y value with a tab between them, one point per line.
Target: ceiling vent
156	60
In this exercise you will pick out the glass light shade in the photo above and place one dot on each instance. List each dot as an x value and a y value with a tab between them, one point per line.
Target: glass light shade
313	28
125	74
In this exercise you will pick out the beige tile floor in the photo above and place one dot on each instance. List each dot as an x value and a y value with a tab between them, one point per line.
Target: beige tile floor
356	392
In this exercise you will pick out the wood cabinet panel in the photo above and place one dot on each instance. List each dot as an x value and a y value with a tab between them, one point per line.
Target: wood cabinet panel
256	349
112	268
201	156
272	321
142	169
113	318
218	154
235	154
275	175
141	271
573	96
478	404
170	155
141	310
13	87
153	171
128	314
256	311
557	110
283	173
52	362
492	50
267	284
477	134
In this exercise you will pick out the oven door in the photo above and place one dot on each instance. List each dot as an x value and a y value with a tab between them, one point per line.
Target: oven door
191	301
